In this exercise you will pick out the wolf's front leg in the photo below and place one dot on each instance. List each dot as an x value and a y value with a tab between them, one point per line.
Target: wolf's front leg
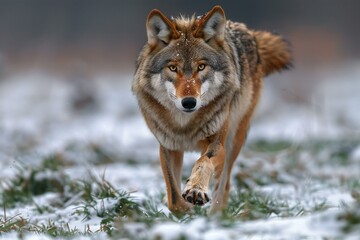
196	188
171	164
210	164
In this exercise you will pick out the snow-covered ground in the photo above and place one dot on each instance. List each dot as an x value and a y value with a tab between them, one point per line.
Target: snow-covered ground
39	117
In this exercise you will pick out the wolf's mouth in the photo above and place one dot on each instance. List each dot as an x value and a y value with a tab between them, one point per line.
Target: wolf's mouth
189	110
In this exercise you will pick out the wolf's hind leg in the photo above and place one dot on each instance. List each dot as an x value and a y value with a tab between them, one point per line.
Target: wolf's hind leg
222	181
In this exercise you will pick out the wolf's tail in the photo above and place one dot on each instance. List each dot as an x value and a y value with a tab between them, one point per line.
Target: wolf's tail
274	52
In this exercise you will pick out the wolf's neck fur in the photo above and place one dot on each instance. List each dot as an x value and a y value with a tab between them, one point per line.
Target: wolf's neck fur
180	117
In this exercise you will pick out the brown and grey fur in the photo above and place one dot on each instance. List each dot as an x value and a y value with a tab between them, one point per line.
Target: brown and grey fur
220	64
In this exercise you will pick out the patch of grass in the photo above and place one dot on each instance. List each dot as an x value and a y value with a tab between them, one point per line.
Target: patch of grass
249	177
96	199
318	207
101	199
102	155
22	226
353	183
247	205
269	146
54	230
151	213
351	217
94	153
250	205
15	223
356	195
286	162
30	182
335	152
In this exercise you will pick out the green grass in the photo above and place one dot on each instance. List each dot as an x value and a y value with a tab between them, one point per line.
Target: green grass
31	182
95	199
98	198
14	223
351	217
269	146
249	205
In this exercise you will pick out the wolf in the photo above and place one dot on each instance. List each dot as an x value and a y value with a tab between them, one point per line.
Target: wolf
197	82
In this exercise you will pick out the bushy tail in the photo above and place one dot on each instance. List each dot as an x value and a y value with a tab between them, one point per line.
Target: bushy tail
274	52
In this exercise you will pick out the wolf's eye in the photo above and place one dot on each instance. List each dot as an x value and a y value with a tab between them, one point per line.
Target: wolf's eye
173	68
201	67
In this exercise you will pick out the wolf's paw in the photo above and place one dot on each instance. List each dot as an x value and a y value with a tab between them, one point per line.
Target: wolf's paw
195	196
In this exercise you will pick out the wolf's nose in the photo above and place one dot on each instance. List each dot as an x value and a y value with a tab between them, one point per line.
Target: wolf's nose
188	103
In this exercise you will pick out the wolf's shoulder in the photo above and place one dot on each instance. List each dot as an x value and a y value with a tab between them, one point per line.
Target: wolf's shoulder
244	41
240	35
236	27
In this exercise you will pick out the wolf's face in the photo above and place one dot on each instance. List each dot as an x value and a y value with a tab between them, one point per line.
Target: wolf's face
188	67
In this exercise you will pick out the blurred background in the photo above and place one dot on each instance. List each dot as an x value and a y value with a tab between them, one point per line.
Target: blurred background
107	35
63	60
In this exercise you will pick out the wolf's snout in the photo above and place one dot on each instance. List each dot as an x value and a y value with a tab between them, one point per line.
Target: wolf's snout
188	103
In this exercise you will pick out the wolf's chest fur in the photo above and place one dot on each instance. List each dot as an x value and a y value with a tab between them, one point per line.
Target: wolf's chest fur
176	130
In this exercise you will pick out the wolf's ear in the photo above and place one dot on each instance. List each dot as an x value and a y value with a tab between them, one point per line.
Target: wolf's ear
159	28
212	25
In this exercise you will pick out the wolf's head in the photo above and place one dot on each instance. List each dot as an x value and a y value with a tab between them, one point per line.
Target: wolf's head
187	65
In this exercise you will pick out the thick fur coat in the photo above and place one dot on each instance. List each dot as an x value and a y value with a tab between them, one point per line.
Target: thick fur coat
197	82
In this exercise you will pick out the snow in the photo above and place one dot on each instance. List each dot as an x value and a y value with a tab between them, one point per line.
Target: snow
169	231
323	224
37	119
355	155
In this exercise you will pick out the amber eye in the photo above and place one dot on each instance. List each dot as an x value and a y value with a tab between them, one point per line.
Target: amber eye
201	67
173	68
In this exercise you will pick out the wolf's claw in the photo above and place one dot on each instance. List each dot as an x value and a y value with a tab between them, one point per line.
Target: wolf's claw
196	196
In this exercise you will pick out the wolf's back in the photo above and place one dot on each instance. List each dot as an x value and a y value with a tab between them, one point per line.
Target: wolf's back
274	52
